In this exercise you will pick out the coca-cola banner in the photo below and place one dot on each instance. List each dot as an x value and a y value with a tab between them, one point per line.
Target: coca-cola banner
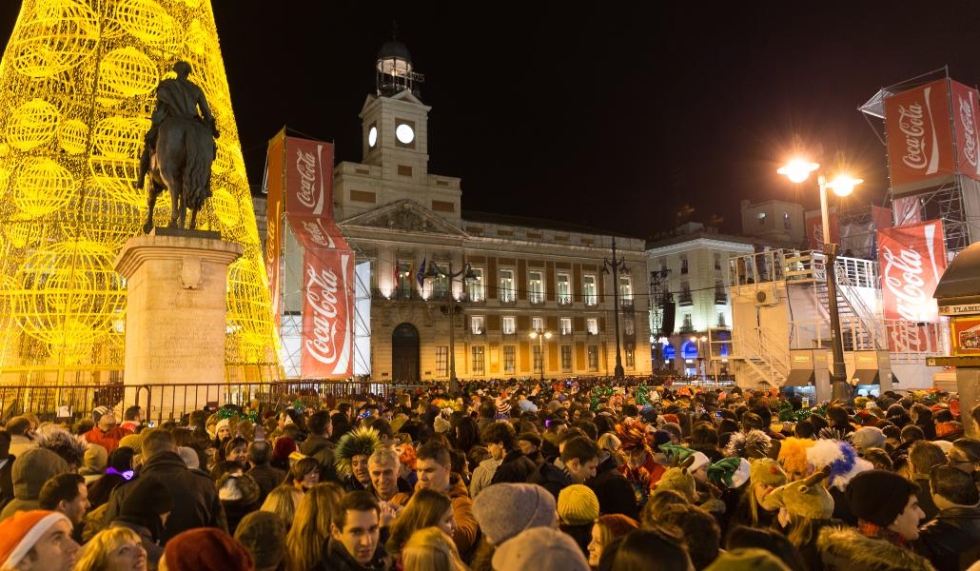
912	259
919	137
965	107
328	305
309	177
814	229
274	218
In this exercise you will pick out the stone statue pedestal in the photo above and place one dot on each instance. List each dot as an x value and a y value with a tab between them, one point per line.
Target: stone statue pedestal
175	317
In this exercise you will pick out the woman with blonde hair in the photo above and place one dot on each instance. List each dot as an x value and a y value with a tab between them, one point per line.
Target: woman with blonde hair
430	549
114	549
311	528
282	501
426	508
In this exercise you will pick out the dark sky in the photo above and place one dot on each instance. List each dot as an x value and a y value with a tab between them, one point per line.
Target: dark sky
610	114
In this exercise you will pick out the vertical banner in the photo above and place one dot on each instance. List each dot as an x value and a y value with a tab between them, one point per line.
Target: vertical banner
908	211
274	206
328	307
918	135
913	259
814	229
309	177
965	108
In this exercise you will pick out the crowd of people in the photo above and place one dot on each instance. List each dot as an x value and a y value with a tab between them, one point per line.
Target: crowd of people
503	476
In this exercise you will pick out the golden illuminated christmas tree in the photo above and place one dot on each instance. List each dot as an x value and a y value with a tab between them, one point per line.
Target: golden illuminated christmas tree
77	85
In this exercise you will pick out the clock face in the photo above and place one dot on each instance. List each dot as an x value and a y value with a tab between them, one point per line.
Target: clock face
405	134
373	137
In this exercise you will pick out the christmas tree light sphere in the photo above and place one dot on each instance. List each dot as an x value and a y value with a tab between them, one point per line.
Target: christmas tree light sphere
32	125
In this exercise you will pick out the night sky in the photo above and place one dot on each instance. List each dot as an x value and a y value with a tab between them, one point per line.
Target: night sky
611	115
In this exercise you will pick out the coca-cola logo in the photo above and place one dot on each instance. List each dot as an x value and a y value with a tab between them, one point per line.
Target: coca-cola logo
316	233
912	125
902	277
324	298
969	130
308	194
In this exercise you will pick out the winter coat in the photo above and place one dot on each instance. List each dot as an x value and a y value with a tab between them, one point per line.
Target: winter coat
516	468
196	502
847	549
108	439
482	475
552	477
467	529
28	474
321	449
267	478
614	491
239	496
6	481
336	558
952	540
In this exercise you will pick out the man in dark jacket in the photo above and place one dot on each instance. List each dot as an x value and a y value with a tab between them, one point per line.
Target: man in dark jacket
577	463
196	502
264	474
952	540
355	536
501	441
319	446
614	491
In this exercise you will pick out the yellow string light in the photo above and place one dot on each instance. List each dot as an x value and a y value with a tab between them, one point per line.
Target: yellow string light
77	85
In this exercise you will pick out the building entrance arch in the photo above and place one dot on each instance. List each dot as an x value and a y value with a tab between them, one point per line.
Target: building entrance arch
405	354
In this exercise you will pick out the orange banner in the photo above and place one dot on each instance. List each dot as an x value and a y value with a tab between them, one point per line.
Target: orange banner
274	218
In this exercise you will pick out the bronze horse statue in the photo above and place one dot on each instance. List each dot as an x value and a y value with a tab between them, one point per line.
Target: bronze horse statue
181	163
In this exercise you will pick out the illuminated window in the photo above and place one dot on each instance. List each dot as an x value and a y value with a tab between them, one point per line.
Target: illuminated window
589	291
592	326
442	361
565	325
566	358
593	354
474	288
535	287
505	286
626	290
477	324
510	362
509	325
479	366
537	324
563	289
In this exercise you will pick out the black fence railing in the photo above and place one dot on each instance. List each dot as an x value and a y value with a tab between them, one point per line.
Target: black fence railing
171	401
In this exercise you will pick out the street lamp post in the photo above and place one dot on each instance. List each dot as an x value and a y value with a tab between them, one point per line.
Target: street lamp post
798	171
540	336
616	267
433	272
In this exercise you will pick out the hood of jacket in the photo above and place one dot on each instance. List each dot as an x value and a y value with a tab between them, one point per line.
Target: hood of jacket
32	468
847	548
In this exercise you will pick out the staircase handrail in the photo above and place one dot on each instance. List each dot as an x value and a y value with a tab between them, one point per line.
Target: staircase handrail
865	315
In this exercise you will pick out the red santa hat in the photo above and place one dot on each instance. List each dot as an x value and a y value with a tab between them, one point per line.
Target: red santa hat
19	533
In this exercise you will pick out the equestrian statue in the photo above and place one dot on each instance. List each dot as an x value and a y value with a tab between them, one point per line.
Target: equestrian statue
179	149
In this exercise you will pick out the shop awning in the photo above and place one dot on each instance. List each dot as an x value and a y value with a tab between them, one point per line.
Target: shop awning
800	378
865	377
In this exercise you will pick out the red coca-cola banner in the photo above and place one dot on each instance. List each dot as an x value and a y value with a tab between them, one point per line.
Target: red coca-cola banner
919	136
309	177
814	229
328	305
912	259
965	112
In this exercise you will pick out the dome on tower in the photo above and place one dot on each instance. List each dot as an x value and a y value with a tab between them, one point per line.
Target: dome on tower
394	70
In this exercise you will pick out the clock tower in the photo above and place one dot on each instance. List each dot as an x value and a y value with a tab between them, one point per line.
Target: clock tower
395	146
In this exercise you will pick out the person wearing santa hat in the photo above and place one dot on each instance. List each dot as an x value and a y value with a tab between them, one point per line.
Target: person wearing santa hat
37	540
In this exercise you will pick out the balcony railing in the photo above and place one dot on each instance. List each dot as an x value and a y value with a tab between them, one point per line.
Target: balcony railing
684	299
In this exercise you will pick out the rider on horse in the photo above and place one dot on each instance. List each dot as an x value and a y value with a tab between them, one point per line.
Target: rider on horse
178	97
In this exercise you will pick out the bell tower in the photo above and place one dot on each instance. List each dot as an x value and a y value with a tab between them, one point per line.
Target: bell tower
394	146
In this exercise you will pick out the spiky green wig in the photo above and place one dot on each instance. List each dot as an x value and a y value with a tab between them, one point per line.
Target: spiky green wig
362	441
